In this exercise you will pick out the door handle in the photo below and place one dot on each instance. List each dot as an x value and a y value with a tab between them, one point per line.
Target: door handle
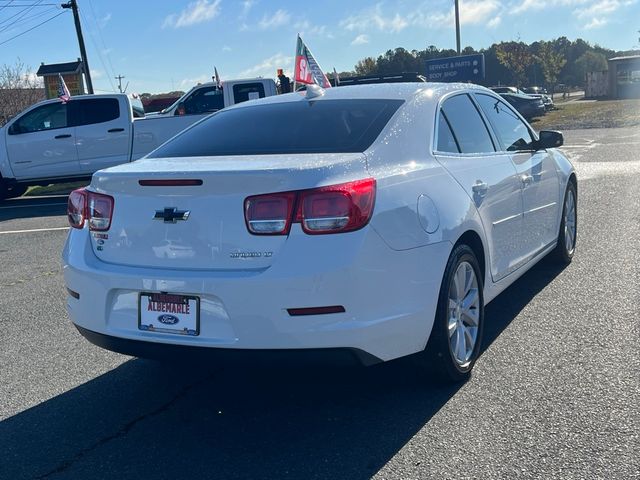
66	135
526	180
480	188
114	130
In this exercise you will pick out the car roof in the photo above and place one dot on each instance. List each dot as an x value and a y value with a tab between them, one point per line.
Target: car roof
388	91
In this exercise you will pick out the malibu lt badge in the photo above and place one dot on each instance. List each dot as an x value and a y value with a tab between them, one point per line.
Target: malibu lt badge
171	215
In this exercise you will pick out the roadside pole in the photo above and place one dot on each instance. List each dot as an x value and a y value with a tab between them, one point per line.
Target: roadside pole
73	5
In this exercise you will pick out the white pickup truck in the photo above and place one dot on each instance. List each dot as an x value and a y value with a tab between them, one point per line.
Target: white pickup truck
53	142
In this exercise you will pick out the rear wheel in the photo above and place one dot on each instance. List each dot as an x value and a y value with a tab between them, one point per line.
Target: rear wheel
12	191
567	236
456	337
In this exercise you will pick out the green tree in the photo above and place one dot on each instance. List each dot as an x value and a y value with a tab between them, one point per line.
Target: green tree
516	57
550	62
366	66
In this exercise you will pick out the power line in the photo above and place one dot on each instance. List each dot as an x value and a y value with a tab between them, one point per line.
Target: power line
32	28
93	40
29	18
21	14
99	28
5	6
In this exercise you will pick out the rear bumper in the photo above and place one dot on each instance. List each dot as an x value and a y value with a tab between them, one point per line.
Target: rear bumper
389	298
175	353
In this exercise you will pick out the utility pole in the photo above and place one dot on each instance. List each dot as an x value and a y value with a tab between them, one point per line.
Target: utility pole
457	27
73	5
119	78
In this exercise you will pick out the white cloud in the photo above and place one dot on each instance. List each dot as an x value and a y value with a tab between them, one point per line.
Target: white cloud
196	12
494	22
226	48
104	20
247	5
306	29
361	39
595	23
95	74
472	12
278	19
597	14
187	83
267	68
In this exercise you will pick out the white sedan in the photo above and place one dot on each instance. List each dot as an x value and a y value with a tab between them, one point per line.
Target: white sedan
372	221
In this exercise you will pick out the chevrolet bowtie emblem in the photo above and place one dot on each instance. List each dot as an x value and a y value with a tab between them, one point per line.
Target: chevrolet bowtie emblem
171	215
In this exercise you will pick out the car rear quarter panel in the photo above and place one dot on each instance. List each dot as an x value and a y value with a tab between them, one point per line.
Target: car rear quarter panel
402	163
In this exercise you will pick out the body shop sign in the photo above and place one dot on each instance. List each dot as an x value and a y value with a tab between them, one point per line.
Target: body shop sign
465	68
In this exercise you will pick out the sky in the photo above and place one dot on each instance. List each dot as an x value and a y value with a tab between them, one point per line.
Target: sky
162	45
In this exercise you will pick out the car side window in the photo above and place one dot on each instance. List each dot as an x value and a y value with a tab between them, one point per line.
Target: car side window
510	130
247	91
204	100
467	125
94	110
46	117
446	141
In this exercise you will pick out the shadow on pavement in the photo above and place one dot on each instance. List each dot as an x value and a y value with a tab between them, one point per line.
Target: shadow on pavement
148	420
31	207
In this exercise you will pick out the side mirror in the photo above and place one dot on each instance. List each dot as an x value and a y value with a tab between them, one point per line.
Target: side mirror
15	129
549	139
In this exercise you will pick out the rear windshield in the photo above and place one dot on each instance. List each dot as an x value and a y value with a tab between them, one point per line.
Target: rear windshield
323	126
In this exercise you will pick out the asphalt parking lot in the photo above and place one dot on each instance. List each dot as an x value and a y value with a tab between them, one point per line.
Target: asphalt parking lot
555	393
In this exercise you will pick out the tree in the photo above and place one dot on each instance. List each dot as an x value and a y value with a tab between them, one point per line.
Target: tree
366	66
551	63
19	89
590	61
516	57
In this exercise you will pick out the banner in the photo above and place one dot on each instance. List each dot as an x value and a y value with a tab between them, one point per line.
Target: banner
307	70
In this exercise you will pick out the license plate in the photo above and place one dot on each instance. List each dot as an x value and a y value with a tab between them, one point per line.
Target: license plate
169	313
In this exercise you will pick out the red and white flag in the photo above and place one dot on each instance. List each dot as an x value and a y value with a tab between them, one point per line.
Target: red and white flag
63	91
307	70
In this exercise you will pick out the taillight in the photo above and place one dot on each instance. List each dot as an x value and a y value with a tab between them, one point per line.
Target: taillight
95	208
99	211
77	208
269	214
333	209
337	208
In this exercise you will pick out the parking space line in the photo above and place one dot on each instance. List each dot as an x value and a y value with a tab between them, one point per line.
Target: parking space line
35	230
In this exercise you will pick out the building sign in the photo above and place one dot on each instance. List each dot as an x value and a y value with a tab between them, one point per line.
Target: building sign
465	68
73	81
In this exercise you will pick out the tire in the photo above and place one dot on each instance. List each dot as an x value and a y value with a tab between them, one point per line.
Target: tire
450	358
567	236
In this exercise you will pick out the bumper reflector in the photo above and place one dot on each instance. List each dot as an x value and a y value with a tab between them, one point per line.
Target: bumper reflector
75	295
296	312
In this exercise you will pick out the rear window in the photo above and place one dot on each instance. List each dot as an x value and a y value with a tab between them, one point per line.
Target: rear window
322	126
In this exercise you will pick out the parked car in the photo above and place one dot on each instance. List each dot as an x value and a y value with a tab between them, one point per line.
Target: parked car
377	225
546	99
53	142
529	107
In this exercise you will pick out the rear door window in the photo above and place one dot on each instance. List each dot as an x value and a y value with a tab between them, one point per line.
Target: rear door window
446	140
512	132
467	125
94	110
247	91
322	126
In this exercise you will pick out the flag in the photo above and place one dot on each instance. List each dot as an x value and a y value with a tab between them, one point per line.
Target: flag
336	77
307	70
216	78
63	91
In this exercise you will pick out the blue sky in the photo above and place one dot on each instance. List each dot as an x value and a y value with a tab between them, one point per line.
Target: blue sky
165	45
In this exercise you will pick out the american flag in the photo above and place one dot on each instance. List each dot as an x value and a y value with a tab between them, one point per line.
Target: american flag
63	91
